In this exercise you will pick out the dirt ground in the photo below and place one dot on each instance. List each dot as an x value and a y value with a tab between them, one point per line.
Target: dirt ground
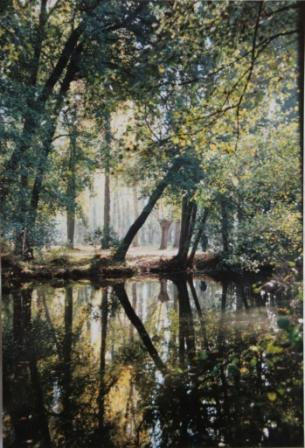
81	251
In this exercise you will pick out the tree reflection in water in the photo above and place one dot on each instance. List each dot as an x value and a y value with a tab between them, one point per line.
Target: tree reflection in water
175	363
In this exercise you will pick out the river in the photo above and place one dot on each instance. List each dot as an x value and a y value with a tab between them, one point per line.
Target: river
151	362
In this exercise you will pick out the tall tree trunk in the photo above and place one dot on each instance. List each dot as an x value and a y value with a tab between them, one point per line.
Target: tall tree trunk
165	226
198	235
71	189
224	225
138	223
301	49
70	228
177	233
106	237
188	218
136	240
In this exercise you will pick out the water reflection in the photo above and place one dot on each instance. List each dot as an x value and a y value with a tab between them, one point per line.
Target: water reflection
154	363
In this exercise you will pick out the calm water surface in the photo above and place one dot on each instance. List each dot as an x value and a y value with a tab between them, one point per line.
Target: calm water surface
150	363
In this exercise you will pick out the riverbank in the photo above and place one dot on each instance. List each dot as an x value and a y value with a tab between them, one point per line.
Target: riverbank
86	263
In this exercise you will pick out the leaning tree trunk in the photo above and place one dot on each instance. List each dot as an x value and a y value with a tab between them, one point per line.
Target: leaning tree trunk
138	223
165	226
136	242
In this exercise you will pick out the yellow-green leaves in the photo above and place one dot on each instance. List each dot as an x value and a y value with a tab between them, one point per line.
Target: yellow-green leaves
272	396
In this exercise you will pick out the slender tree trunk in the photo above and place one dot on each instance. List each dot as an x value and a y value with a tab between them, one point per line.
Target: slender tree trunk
198	235
224	295
136	240
177	233
165	226
301	50
70	228
138	223
188	218
106	238
224	225
71	190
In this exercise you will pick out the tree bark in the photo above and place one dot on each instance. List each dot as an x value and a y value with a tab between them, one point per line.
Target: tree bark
136	240
177	233
199	235
71	190
301	49
70	228
106	237
224	225
157	193
188	218
165	226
